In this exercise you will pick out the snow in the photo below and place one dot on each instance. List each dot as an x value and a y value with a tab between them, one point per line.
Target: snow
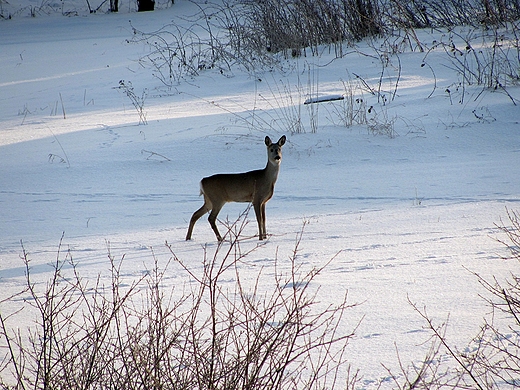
407	217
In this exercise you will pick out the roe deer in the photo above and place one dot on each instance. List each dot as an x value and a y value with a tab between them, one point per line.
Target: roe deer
256	187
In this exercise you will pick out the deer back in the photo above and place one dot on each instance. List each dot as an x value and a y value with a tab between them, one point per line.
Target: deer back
232	187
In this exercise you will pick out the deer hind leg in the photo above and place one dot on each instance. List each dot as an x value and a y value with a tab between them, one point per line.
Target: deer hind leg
213	218
196	216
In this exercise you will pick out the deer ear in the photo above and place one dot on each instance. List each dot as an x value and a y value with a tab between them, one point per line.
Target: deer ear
268	141
281	141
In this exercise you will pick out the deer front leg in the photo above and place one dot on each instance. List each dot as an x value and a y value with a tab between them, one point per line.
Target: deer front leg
264	230
260	215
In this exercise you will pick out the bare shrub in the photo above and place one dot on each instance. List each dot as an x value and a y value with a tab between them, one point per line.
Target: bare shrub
178	52
492	359
381	124
494	356
271	334
430	13
291	26
436	13
284	103
490	58
247	33
352	109
137	101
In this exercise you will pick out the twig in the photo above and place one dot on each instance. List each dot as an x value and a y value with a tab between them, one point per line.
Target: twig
154	154
62	107
51	156
443	341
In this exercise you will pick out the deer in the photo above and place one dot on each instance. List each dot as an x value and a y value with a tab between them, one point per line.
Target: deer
256	187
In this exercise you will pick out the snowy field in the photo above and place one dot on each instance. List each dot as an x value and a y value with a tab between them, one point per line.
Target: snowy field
407	217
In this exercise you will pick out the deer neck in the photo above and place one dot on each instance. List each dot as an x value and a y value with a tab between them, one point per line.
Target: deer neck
271	171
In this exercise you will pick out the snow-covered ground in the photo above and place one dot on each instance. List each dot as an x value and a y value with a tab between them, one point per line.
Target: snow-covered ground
409	217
